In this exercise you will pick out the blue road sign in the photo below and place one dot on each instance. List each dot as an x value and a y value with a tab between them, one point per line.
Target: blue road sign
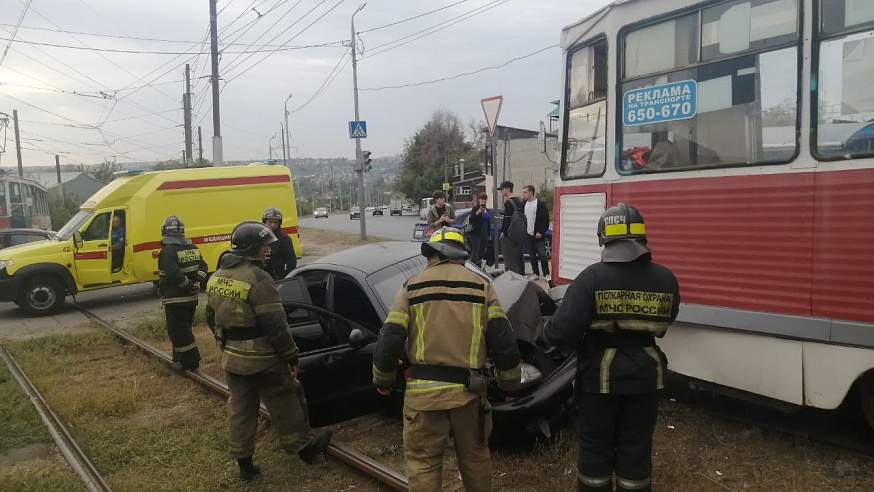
667	102
357	129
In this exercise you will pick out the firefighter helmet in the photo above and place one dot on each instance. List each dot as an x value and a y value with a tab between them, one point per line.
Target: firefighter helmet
248	237
449	241
622	232
272	213
173	231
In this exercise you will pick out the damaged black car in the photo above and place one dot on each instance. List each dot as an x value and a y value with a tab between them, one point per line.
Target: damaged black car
336	307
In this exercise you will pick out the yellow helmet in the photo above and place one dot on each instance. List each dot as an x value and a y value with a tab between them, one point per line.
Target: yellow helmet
447	240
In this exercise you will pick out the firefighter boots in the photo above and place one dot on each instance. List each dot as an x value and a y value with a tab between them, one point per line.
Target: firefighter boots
317	445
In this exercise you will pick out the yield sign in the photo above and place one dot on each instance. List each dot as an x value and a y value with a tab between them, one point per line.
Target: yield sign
491	110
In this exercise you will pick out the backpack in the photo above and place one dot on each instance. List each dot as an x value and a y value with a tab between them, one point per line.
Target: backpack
518	229
466	226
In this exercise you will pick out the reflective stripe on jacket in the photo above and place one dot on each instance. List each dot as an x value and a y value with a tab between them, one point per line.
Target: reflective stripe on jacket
612	313
180	266
243	297
446	316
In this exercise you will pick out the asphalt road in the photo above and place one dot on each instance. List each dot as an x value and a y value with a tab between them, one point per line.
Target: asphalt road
387	226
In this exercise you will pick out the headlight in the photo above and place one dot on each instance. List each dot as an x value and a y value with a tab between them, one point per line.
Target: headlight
6	263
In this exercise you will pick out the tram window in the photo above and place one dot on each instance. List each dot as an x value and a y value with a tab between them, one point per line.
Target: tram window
747	111
840	15
664	46
735	27
845	101
585	152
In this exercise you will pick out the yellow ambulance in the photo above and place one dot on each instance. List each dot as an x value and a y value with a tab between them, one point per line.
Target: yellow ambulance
210	201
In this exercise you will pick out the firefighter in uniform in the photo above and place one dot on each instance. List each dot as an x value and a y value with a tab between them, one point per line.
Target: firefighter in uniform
259	355
612	313
182	270
448	319
282	258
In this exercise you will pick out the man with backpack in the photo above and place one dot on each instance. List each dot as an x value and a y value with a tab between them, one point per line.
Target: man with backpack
514	229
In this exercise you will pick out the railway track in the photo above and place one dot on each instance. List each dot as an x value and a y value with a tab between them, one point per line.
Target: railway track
336	450
71	451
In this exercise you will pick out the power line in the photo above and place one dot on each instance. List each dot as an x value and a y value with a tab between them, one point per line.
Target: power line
230	64
437	27
337	44
410	18
331	76
465	74
15	31
290	40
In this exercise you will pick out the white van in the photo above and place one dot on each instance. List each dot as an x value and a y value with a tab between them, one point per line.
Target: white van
426	205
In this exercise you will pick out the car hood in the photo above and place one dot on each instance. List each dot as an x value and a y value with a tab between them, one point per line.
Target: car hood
32	248
525	304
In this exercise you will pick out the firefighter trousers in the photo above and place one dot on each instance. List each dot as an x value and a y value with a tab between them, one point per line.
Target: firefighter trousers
425	437
179	318
615	433
285	400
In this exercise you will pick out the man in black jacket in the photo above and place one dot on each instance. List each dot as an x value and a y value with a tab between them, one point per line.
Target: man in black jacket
282	258
538	222
182	270
611	314
512	252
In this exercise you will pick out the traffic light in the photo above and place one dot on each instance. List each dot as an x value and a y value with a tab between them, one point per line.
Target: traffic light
365	154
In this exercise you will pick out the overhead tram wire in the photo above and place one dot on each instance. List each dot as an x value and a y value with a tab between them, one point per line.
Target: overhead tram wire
465	74
104	133
98	53
330	79
311	24
230	63
15	31
410	18
435	28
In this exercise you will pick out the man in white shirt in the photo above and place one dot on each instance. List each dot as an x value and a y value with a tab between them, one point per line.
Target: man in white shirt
538	222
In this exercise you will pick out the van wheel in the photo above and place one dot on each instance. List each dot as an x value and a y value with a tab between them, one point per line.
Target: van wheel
866	397
42	296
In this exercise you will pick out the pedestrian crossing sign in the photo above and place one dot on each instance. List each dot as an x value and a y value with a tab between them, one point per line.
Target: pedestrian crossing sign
357	129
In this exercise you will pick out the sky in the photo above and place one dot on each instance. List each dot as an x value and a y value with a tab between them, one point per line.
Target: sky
104	79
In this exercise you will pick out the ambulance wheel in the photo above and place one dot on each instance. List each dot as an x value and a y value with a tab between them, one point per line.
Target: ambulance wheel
42	296
866	397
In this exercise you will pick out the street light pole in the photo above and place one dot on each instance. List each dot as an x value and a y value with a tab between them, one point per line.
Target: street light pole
270	144
359	165
287	130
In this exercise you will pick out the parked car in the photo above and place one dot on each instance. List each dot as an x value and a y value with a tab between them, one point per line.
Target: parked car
14	237
321	212
421	231
354	213
377	211
337	304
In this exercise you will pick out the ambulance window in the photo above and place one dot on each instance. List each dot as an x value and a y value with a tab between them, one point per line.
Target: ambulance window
98	229
352	303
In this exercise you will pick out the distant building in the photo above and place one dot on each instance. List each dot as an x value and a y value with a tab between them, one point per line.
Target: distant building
517	157
77	184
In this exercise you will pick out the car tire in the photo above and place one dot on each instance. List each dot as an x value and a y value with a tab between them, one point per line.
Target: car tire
42	296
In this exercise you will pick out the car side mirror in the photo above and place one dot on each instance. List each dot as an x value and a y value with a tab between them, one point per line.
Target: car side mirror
77	239
359	338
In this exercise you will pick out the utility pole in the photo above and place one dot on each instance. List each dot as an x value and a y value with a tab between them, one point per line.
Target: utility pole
284	156
17	143
187	105
58	171
359	164
217	157
199	147
287	130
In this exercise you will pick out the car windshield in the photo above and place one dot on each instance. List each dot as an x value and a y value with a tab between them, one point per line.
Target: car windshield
73	224
321	210
354	209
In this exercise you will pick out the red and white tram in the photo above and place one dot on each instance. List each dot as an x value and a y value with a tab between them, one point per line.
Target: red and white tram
744	132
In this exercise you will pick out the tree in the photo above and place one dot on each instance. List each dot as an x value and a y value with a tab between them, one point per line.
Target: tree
61	208
435	147
169	164
103	172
